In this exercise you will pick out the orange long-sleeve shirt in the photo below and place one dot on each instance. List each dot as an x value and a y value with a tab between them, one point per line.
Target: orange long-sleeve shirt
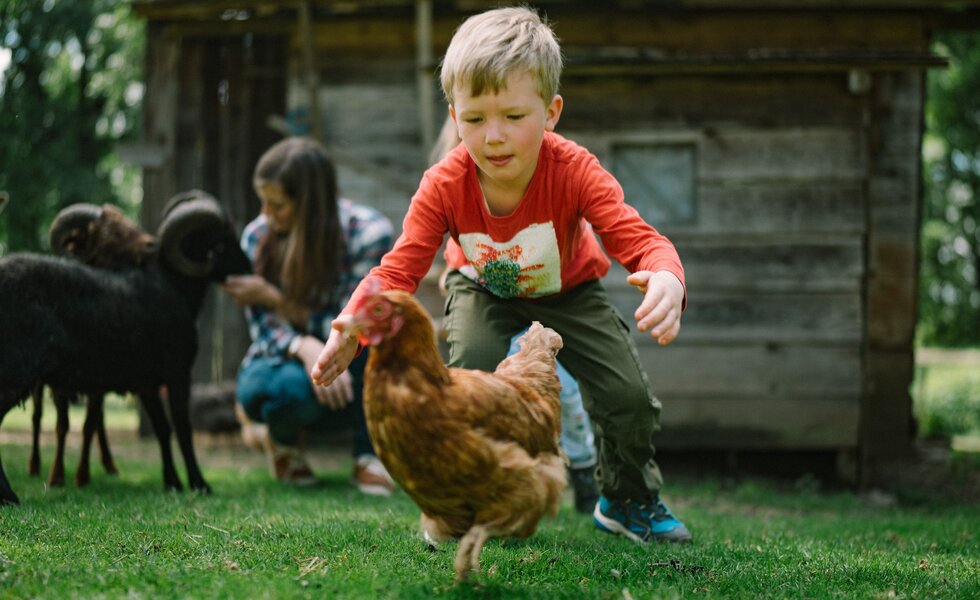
545	246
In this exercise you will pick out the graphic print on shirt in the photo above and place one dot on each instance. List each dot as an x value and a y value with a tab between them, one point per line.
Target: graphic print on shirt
527	266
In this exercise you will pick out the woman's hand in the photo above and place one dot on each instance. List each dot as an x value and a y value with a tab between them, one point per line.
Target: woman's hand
336	355
252	290
338	393
660	310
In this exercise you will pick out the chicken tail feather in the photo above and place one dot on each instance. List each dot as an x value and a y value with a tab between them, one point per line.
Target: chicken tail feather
539	337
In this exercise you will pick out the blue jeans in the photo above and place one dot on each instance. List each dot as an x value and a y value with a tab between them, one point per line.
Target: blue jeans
279	393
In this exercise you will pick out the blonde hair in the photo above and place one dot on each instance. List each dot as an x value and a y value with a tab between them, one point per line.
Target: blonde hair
447	140
490	46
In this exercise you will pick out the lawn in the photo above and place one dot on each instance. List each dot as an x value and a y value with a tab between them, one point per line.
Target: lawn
124	537
947	393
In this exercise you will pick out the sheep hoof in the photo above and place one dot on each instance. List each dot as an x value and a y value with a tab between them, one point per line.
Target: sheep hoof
8	498
203	489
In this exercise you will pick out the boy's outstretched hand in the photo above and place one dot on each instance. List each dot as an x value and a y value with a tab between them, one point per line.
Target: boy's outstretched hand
336	355
660	310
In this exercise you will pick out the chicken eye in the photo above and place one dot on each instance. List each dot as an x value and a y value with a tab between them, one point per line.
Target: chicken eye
381	310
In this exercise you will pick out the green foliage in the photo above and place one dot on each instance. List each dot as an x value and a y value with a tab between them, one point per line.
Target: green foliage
124	537
947	400
71	90
950	287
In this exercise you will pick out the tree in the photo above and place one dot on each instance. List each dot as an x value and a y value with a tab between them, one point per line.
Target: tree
949	297
71	90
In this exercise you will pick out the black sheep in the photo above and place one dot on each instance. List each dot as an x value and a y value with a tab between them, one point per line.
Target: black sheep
78	328
100	237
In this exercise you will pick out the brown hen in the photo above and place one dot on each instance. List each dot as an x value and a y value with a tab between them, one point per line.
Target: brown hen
478	452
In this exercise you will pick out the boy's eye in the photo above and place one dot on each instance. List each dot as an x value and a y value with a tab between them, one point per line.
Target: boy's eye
472	120
515	117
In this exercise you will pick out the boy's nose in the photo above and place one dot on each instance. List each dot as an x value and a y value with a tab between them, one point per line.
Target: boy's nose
495	133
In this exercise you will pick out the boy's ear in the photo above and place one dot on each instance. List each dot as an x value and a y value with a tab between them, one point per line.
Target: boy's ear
552	113
452	113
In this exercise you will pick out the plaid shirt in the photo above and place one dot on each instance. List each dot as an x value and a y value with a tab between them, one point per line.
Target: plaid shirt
367	236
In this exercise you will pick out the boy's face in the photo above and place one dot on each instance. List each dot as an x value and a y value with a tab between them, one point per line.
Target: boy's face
503	131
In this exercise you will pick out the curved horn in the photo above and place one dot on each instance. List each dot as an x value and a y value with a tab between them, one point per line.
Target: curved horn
70	228
187	213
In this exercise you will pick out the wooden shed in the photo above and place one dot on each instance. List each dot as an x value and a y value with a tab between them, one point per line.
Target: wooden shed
776	142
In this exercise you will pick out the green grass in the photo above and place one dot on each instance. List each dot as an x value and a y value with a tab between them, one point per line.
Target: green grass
120	413
124	537
946	393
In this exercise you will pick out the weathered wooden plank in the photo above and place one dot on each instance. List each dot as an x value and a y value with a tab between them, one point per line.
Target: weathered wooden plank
701	103
737	318
759	264
783	207
886	410
782	423
741	155
159	123
785	153
709	32
887	420
761	370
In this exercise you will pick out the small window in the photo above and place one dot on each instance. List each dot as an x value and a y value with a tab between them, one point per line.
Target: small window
658	180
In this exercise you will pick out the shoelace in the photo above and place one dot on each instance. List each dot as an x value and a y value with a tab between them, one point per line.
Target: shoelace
635	513
658	511
655	511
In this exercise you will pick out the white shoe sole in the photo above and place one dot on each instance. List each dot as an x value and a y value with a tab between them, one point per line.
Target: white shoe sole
373	490
614	526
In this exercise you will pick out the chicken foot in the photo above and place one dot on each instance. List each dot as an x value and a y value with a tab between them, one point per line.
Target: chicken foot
468	552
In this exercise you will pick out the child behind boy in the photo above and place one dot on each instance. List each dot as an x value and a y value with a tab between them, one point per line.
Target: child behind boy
522	203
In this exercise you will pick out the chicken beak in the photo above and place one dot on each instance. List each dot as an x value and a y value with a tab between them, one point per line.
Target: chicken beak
356	329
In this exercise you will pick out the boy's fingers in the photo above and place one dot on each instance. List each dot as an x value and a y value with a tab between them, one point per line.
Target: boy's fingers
671	334
668	329
639	279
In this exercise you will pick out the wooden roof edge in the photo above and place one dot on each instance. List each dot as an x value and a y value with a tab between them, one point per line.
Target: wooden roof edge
232	9
611	55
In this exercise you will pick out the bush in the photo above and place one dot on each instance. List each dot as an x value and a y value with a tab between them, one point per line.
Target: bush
947	401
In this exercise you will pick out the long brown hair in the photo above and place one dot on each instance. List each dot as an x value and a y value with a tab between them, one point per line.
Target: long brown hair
304	263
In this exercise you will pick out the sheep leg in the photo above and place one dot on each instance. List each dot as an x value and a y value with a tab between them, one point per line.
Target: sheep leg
34	462
468	553
7	495
56	478
106	456
94	425
180	413
82	473
161	428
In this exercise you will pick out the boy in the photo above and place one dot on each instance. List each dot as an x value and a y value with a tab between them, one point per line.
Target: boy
521	203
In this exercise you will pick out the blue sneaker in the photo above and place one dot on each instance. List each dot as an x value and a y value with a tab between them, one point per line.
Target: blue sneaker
639	522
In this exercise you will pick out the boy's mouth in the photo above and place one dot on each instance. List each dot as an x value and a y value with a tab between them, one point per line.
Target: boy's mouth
499	161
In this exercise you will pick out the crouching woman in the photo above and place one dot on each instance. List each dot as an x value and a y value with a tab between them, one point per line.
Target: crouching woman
309	250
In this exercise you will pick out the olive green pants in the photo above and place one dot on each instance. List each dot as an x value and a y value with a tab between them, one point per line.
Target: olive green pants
597	351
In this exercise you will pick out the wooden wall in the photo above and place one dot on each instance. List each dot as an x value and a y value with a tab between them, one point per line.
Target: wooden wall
801	258
208	99
800	262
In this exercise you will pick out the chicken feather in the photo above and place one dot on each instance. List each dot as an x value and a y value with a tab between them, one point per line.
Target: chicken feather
477	452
